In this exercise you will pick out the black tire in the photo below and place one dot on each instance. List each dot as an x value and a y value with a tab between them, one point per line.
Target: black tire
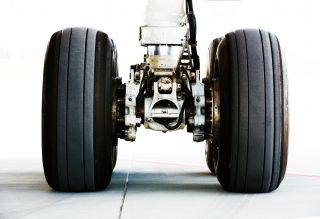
209	144
77	136
209	156
114	156
253	138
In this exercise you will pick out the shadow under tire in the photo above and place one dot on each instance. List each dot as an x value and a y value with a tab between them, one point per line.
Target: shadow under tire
253	137
77	134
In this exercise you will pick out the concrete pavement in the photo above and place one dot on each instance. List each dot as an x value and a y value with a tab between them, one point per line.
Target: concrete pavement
159	180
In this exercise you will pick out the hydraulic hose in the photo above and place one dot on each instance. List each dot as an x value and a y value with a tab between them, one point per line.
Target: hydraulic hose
193	34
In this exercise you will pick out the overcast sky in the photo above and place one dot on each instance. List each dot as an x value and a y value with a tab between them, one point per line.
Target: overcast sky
26	26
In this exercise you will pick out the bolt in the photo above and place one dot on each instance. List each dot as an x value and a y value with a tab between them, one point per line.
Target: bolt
130	99
184	77
193	76
137	76
178	87
198	99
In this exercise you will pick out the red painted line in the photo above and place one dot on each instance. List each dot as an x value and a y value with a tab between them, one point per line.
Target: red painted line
198	165
311	175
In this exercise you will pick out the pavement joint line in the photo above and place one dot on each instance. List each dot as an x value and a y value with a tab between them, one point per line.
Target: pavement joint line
197	165
124	194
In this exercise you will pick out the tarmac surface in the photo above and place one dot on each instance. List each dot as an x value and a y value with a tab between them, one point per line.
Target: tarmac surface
162	179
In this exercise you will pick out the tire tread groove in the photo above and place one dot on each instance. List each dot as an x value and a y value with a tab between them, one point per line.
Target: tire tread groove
67	124
83	112
248	115
265	111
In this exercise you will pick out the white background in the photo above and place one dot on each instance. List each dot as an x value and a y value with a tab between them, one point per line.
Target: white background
26	27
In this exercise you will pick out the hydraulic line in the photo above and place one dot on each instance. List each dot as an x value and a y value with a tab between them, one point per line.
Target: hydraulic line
183	107
193	34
